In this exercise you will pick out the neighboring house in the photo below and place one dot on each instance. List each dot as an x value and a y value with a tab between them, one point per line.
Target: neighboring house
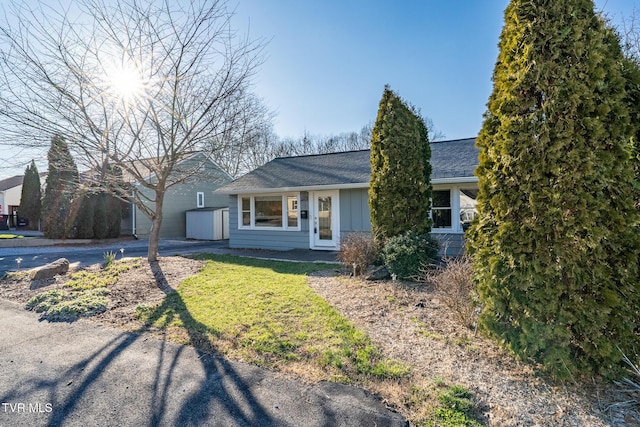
312	201
195	193
10	194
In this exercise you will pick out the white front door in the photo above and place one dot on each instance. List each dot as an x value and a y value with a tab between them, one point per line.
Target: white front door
325	221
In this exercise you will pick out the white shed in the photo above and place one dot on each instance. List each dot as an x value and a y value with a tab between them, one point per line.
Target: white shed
208	224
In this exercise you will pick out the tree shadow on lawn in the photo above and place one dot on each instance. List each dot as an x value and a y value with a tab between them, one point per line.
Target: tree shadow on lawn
221	388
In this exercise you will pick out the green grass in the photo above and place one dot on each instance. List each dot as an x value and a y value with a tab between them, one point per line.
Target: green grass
446	406
264	312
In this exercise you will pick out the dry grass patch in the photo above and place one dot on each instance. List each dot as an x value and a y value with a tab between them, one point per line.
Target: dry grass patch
412	324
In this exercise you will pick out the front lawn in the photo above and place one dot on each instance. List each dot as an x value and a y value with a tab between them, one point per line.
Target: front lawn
264	312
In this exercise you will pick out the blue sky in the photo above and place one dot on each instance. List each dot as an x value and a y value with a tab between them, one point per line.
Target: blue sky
328	60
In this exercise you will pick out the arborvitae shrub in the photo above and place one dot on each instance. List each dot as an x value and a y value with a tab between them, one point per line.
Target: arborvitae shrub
408	254
400	187
555	246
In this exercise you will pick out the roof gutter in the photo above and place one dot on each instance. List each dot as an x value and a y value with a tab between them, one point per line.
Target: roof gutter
435	181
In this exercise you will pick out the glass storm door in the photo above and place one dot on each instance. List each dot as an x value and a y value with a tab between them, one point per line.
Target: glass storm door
324	220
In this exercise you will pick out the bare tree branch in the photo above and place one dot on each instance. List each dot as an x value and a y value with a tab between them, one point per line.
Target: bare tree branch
187	70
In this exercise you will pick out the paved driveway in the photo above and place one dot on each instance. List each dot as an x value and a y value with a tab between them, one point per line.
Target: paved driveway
85	374
87	254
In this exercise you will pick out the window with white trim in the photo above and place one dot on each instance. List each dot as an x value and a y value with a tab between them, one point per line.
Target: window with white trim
441	209
200	199
279	211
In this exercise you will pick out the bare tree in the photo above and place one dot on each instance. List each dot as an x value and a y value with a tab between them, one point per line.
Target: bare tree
133	86
246	143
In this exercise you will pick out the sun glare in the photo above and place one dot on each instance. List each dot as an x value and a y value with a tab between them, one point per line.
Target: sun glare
126	83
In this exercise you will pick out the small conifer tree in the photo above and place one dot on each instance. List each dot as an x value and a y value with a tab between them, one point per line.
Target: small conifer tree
30	199
555	248
61	183
400	187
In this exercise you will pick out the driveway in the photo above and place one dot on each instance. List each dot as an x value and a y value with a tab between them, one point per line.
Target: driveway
87	254
82	373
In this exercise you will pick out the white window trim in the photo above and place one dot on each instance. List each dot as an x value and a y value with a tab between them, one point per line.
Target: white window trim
454	193
252	207
199	197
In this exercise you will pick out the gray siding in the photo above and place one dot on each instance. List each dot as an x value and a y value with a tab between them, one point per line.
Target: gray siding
354	210
452	245
181	198
266	239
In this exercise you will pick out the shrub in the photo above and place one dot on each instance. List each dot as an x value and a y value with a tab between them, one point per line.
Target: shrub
358	252
454	282
405	255
109	258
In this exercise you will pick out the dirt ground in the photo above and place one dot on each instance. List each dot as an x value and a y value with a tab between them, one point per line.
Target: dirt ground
411	325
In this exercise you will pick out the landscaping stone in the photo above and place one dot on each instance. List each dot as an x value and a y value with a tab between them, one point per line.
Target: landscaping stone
380	273
58	267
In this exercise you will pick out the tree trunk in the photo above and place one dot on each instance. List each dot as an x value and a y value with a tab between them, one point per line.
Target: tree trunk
154	233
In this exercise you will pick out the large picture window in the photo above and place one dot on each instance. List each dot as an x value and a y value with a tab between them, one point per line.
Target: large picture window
269	211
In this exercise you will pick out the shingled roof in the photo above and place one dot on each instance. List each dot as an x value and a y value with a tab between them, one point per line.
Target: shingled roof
14	181
449	159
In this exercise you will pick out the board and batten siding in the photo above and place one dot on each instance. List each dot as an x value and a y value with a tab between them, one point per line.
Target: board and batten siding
355	215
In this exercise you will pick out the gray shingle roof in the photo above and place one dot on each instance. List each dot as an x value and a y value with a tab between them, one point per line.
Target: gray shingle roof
449	159
11	182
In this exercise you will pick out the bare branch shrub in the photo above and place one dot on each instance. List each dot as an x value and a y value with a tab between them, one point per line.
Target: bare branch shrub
629	387
357	252
453	281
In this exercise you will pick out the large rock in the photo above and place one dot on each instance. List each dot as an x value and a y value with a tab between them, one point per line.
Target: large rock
380	273
56	268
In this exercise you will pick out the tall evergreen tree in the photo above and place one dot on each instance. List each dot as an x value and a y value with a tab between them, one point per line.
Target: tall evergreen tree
30	199
631	70
555	250
400	187
61	184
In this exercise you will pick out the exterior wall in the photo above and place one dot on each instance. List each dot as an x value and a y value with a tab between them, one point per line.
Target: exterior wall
354	210
10	197
354	217
13	196
281	240
183	197
451	244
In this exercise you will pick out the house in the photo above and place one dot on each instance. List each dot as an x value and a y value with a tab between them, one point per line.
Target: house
195	193
310	202
10	194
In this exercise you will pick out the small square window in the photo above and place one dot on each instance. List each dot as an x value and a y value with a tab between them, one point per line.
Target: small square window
200	199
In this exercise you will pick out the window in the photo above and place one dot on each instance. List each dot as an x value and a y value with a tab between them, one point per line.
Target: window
467	207
272	211
200	199
441	209
292	211
246	211
268	211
